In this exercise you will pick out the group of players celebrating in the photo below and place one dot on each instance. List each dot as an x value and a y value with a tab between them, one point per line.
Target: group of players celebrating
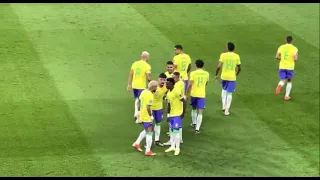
178	85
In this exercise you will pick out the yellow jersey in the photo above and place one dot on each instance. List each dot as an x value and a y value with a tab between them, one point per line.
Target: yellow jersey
287	51
168	74
200	78
140	69
146	99
158	98
179	86
230	61
182	62
176	105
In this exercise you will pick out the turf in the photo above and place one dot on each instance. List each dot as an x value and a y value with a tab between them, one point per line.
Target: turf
65	110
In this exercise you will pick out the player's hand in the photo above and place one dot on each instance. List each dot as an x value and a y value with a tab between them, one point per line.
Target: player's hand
129	88
216	77
185	97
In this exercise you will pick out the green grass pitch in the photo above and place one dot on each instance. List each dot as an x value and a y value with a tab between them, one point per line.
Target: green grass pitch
65	110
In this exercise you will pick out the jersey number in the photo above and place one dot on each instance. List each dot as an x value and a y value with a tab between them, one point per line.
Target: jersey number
229	65
199	81
183	66
137	73
285	54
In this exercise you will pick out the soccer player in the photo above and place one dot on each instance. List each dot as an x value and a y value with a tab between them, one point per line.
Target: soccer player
170	69
145	102
176	110
229	61
199	79
179	86
182	64
140	72
288	55
157	107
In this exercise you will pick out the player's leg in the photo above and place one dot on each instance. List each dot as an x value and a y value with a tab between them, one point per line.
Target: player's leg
282	77
141	136
180	133
178	136
231	86
158	116
193	111
201	103
289	84
176	123
170	132
169	126
224	94
136	100
149	133
136	94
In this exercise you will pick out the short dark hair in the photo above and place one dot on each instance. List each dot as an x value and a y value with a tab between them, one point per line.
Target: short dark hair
162	75
289	39
231	46
199	63
178	47
176	73
170	63
170	80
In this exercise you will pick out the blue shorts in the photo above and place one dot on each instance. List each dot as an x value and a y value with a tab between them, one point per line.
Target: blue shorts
176	122
186	83
137	92
285	74
157	115
146	125
199	103
229	86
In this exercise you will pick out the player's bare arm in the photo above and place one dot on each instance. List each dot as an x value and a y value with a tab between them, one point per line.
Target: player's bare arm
278	56
218	69
138	116
295	56
150	128
149	110
189	68
238	69
184	106
149	77
129	87
139	105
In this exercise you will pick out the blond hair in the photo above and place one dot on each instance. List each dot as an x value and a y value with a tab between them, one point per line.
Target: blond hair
153	83
145	53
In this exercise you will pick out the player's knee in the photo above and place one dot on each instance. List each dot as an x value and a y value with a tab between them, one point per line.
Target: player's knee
289	80
194	108
158	123
149	129
199	111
